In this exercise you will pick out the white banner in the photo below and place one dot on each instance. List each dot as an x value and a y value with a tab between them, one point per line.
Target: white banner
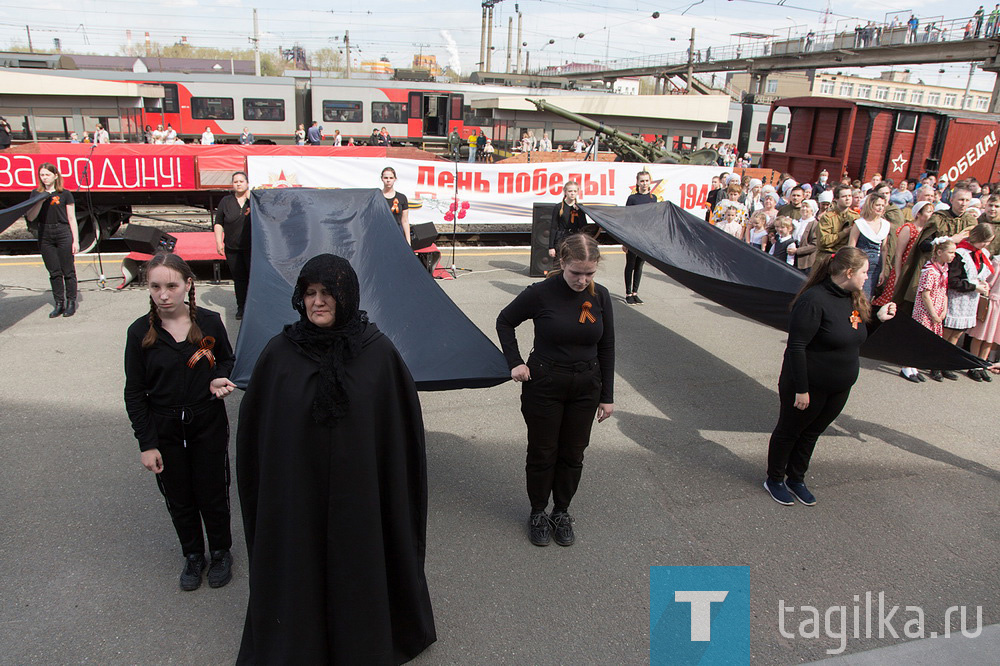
485	193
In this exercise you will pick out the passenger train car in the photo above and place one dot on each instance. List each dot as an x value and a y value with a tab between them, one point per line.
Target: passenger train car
747	128
271	108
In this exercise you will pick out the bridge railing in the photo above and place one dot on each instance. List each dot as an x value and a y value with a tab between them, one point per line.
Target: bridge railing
790	42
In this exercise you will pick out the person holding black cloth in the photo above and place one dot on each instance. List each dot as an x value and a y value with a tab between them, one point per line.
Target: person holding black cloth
567	218
826	329
569	377
232	236
332	474
177	363
58	238
633	262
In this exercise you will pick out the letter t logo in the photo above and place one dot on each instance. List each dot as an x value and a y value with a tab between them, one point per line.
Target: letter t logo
701	610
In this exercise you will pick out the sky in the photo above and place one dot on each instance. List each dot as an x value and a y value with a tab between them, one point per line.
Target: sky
451	31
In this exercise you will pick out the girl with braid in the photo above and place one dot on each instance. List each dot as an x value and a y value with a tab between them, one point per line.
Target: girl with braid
177	363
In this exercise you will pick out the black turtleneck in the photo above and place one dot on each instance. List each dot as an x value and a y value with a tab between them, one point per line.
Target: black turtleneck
823	343
560	335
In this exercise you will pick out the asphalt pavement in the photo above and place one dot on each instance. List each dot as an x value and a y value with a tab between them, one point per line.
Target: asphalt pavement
907	483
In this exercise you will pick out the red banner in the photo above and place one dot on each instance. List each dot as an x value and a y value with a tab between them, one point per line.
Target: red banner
19	172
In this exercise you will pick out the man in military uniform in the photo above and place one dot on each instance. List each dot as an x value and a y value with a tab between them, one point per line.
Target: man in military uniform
835	224
793	208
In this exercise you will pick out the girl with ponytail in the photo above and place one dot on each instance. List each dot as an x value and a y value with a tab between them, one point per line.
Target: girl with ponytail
827	327
177	363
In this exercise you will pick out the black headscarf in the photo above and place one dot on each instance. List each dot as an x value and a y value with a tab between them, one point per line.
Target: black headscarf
335	344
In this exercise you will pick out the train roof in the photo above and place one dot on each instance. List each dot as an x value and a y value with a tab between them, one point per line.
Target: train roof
838	103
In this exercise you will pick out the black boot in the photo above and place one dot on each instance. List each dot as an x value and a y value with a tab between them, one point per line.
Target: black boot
70	307
58	309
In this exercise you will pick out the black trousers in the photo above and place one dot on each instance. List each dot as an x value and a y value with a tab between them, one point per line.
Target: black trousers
558	405
794	437
633	271
195	476
239	266
55	243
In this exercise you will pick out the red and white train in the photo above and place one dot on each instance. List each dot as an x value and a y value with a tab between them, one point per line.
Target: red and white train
272	108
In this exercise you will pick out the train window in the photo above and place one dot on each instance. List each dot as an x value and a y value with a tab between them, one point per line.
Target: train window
388	112
777	133
721	131
263	109
906	122
212	108
168	104
337	111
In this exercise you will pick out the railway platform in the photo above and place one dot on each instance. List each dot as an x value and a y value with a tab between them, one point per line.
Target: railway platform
906	479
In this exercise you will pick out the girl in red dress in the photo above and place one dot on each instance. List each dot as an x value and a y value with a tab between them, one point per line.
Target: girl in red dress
932	290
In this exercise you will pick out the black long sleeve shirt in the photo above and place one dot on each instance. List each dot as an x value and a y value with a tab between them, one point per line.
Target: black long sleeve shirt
159	377
823	343
235	222
566	220
560	336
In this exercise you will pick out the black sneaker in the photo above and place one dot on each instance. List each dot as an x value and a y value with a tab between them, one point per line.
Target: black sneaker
193	568
800	491
936	375
636	300
239	315
539	529
985	375
220	571
974	375
630	300
948	374
921	377
779	492
909	378
562	528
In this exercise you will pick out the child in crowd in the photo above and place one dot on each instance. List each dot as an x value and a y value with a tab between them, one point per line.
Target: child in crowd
967	275
757	231
730	223
932	291
783	230
732	194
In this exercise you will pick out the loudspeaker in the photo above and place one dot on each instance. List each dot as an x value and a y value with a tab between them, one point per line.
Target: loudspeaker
422	235
541	225
148	240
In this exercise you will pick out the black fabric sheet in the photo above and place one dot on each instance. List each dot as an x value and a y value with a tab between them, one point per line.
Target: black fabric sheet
730	272
442	348
9	216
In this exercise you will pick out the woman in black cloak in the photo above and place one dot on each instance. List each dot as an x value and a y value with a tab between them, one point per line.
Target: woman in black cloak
333	484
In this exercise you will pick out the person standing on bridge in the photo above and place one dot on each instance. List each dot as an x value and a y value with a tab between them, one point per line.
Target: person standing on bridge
177	364
567	380
232	236
979	20
58	238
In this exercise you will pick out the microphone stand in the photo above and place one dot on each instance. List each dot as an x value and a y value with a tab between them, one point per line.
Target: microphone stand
454	270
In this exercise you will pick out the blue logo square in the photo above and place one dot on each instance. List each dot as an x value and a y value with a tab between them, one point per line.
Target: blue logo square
699	615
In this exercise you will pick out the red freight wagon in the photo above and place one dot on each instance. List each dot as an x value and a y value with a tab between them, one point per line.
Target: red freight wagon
895	140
